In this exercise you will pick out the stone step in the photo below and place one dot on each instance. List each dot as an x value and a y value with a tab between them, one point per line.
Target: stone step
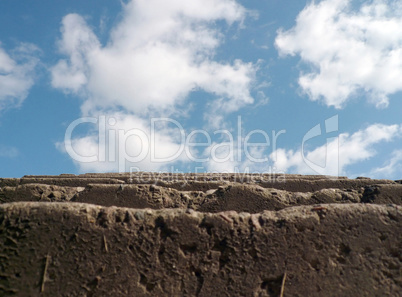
201	182
232	196
75	249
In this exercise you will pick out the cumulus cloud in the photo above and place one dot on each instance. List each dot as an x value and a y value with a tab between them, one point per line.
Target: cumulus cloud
331	159
350	51
392	168
16	74
124	142
78	42
334	157
222	157
159	53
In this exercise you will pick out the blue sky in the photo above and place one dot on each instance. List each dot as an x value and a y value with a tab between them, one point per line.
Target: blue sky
178	86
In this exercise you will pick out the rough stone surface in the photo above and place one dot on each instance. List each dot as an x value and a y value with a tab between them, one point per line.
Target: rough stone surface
199	235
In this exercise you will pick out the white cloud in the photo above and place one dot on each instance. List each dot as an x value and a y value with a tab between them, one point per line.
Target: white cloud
16	74
158	54
332	158
119	141
350	51
224	158
392	168
335	156
78	43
